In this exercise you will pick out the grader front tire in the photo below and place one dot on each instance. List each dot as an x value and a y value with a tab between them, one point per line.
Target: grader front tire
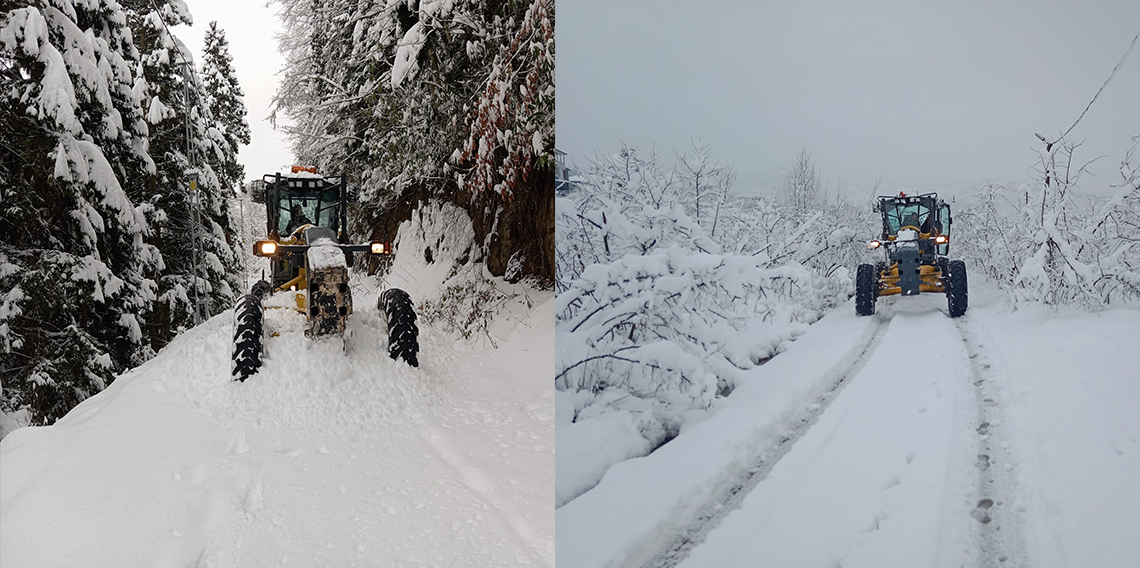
865	283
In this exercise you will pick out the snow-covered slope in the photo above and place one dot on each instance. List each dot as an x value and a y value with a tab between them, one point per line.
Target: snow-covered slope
998	439
324	458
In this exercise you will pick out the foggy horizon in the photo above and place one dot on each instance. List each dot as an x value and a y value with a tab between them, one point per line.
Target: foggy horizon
917	95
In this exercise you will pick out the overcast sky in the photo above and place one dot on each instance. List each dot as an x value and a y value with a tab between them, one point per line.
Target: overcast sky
922	93
250	28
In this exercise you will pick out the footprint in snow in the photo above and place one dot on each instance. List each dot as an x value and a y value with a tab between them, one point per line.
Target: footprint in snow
983	462
981	513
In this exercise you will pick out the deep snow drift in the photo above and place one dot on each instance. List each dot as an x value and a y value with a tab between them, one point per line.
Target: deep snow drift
905	439
332	455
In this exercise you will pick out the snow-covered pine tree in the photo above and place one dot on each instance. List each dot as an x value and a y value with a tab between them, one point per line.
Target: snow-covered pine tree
224	99
73	259
172	95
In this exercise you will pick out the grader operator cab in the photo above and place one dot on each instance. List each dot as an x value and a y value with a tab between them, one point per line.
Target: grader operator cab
915	241
308	246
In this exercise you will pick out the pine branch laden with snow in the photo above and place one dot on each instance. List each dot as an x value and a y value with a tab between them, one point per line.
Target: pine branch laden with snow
223	97
392	89
512	130
75	268
96	208
170	79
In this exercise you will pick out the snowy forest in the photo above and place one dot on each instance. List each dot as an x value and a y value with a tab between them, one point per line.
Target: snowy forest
120	147
672	286
119	152
431	100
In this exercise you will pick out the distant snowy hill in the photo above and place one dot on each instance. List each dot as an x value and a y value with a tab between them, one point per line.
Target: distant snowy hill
332	455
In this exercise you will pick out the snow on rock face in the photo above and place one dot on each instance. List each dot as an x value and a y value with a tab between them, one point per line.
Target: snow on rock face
437	231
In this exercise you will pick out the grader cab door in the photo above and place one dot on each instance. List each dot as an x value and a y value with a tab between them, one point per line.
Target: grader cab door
944	220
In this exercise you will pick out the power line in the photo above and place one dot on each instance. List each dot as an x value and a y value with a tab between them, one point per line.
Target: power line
1106	81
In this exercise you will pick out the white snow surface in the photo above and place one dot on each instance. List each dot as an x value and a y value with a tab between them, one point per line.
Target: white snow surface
998	439
407	52
323	458
325	255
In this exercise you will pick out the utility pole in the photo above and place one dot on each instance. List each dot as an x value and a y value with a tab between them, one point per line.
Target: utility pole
201	304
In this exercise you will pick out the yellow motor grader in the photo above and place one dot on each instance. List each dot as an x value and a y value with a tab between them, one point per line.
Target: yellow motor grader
915	242
308	246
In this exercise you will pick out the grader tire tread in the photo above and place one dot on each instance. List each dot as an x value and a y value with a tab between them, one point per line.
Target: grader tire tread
865	282
958	291
247	337
403	335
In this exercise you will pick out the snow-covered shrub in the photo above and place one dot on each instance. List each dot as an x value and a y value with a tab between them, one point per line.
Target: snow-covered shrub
670	287
1049	243
467	307
674	324
630	205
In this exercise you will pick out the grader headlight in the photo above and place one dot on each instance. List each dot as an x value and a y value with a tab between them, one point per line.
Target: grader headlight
380	248
941	239
265	248
874	245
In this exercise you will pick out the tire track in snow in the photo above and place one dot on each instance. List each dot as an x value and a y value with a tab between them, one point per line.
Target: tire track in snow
999	537
728	499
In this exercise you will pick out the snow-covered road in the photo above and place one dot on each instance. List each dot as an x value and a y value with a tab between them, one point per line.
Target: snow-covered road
321	459
999	439
881	479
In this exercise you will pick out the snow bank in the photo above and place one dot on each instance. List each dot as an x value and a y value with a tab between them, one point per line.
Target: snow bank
591	445
440	266
640	502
